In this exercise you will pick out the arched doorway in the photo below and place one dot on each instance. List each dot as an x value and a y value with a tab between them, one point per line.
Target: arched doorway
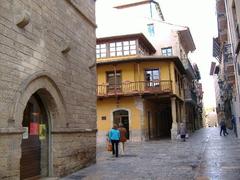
121	116
35	140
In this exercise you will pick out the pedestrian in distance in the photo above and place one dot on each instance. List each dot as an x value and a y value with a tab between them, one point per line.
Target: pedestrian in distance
223	128
234	126
182	132
114	137
123	138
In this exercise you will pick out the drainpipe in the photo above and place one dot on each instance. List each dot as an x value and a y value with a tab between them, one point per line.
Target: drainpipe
115	78
138	66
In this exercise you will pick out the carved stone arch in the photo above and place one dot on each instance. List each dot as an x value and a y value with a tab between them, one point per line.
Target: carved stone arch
44	85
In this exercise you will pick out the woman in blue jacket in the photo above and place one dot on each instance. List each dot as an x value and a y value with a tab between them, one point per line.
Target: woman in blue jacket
114	136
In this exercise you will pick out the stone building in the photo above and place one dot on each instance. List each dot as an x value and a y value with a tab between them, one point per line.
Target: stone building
226	50
47	89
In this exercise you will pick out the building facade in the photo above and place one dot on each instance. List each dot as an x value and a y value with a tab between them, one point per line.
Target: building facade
169	41
142	91
233	20
47	98
226	50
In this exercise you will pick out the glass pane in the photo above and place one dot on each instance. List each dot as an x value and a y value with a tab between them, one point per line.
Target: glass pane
98	55
126	43
97	51
103	50
133	47
132	42
119	48
103	45
112	54
112	49
97	46
119	53
126	52
104	55
112	44
133	52
126	47
110	75
119	43
155	74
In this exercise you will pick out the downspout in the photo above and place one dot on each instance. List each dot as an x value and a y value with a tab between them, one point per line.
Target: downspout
139	86
115	78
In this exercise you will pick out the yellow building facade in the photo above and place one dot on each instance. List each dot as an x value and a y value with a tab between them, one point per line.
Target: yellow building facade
135	87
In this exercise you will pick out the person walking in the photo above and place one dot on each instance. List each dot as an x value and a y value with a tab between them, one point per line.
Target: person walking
123	138
182	132
234	126
223	128
114	137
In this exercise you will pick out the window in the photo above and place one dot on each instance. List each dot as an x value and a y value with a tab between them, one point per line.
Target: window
152	77
167	51
101	50
116	49
151	30
111	80
124	48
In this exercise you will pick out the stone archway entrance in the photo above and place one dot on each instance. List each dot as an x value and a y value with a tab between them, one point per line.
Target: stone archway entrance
121	116
35	140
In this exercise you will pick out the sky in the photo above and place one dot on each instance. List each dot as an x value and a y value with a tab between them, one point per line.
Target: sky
200	17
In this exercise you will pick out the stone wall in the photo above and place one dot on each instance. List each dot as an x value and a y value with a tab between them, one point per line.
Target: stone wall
77	150
48	45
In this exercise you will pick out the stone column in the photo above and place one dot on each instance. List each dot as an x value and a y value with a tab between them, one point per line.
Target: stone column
174	118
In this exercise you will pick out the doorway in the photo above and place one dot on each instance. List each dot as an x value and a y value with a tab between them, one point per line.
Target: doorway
34	161
121	116
164	123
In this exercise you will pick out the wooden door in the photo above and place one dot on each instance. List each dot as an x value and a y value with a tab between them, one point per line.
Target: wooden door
31	146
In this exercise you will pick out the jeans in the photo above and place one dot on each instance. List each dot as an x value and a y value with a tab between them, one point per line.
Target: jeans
115	147
224	130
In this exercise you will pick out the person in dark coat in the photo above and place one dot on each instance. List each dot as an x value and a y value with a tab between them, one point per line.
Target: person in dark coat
223	128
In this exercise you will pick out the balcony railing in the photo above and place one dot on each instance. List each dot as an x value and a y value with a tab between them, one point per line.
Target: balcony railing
135	88
190	96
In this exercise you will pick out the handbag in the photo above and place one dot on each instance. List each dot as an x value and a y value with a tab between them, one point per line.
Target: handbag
109	146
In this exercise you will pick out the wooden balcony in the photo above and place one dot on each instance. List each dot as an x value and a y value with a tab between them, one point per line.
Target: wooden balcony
135	88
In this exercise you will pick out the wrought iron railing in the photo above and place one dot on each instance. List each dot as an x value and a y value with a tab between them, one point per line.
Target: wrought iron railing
136	87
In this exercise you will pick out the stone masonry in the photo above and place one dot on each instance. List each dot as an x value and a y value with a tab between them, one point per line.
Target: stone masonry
49	47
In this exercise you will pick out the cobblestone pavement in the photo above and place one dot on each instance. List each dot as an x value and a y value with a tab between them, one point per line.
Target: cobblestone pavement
204	156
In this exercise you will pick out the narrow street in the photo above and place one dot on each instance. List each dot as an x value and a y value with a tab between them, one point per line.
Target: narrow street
205	155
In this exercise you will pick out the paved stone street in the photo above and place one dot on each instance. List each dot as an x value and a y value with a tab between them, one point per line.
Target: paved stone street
205	155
